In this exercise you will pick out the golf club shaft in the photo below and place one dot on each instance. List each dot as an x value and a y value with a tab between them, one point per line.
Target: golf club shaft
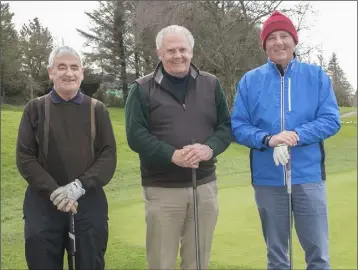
72	242
196	221
197	244
289	191
290	231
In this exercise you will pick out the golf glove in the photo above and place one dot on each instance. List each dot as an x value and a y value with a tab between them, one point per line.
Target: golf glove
71	192
280	154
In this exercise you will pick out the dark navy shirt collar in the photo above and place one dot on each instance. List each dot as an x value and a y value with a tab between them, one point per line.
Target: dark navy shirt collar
174	79
77	99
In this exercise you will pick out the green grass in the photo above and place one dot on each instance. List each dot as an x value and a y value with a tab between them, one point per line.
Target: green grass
8	107
238	242
344	110
349	120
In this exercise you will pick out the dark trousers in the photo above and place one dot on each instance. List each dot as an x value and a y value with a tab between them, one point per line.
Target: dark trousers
46	231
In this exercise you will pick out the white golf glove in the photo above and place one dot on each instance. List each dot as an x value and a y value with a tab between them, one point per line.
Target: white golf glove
280	154
66	196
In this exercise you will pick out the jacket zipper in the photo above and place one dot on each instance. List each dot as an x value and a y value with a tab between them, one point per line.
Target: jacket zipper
289	94
186	95
283	119
175	98
283	114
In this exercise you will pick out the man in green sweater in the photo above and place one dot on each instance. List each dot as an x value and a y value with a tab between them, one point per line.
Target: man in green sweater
66	151
165	111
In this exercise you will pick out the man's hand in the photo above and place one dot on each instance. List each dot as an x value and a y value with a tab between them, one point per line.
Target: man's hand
290	138
68	204
65	197
197	152
281	155
178	159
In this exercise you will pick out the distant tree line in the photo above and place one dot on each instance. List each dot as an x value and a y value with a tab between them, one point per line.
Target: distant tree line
121	41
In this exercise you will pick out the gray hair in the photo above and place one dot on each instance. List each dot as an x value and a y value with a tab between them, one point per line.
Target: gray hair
174	29
61	51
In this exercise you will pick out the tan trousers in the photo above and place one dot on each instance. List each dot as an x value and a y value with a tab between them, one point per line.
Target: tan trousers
169	214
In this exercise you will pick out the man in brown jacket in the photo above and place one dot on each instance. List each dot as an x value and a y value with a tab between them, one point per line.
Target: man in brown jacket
66	151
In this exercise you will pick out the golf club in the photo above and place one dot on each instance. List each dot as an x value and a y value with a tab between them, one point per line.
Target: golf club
72	242
289	191
196	223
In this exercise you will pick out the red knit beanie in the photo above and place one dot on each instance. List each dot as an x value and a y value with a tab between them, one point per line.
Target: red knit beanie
277	21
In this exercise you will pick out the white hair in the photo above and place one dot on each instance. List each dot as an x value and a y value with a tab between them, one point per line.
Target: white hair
174	29
61	51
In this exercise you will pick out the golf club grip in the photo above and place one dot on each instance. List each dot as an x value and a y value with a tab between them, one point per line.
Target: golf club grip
72	242
71	234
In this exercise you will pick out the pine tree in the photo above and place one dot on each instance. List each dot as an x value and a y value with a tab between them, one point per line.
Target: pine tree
342	88
36	43
111	37
10	64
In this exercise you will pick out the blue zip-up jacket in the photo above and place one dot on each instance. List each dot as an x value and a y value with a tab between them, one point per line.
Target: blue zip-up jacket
267	103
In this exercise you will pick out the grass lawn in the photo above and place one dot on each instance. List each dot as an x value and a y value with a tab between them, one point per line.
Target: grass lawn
238	242
344	110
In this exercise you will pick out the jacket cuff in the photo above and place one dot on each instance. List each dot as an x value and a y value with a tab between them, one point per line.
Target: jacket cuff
167	154
211	146
265	141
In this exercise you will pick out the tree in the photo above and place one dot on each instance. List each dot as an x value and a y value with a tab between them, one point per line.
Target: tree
36	43
225	44
110	38
342	88
322	62
299	14
12	81
226	33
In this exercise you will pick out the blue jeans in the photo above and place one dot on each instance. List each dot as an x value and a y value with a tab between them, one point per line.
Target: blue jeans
309	205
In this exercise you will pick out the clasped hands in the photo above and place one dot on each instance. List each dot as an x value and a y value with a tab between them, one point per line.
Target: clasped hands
280	142
190	155
65	197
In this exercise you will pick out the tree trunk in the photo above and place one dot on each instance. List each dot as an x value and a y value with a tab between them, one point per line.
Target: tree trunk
137	63
120	25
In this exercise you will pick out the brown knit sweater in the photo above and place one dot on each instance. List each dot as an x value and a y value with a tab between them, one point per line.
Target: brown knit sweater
69	146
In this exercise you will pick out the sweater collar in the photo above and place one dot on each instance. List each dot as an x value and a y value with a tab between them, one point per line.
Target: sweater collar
290	65
158	72
77	99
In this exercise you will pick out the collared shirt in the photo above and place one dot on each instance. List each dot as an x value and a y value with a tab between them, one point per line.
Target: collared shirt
77	99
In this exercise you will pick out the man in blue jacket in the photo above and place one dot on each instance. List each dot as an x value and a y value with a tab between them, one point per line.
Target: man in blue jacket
284	110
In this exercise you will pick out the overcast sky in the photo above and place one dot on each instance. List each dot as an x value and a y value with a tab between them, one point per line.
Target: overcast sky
335	26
